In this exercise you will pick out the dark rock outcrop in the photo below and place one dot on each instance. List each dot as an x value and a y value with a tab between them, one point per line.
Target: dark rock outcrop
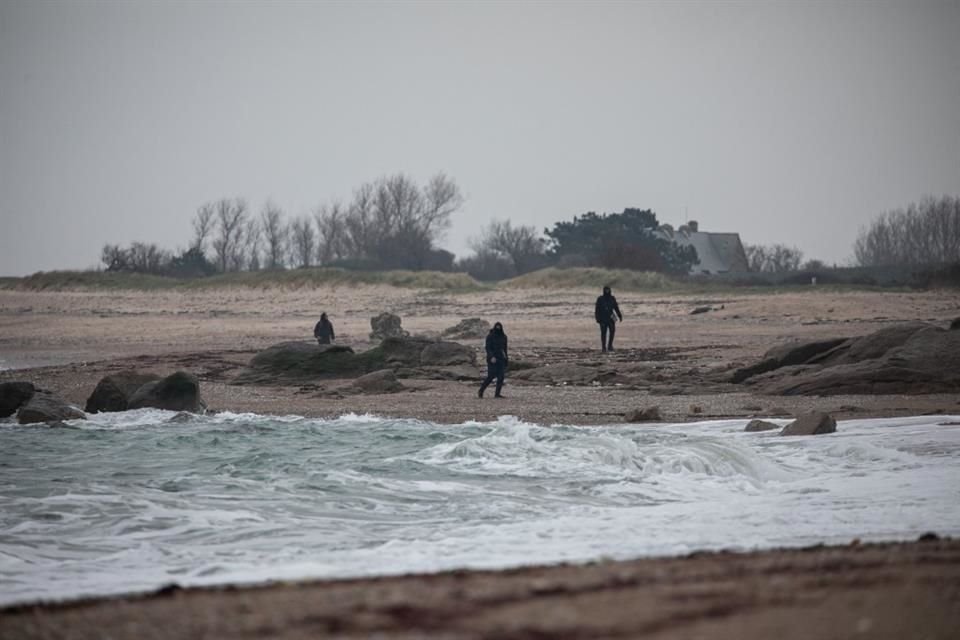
386	325
44	406
113	392
383	381
760	425
912	358
810	424
468	329
299	362
787	355
13	395
403	351
447	354
179	391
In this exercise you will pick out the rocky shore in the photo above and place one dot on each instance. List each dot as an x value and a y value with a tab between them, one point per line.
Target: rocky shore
846	354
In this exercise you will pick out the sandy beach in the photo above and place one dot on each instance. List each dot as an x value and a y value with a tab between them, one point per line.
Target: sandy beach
67	341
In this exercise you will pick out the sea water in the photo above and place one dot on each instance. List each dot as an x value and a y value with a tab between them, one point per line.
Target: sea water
136	500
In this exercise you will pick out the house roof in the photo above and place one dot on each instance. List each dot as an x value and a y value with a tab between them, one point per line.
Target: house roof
718	252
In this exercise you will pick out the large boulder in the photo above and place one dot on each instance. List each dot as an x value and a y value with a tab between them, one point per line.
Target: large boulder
298	362
786	355
113	392
810	424
914	357
760	425
927	362
13	395
44	406
404	351
386	325
467	329
876	344
447	354
179	391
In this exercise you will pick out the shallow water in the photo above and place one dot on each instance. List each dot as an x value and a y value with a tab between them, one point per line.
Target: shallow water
132	501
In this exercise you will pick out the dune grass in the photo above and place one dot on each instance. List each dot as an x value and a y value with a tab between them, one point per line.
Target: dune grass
596	278
291	279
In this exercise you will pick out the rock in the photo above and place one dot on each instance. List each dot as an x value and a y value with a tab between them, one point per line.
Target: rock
915	357
787	355
810	424
760	425
179	391
955	324
447	354
459	373
44	406
468	329
13	395
404	351
878	343
386	325
647	414
182	417
928	361
302	362
113	392
562	373
383	381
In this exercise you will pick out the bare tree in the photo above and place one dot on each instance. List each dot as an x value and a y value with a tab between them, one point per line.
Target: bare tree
776	258
147	258
332	242
253	239
274	235
302	241
231	216
362	239
202	226
521	245
115	257
924	233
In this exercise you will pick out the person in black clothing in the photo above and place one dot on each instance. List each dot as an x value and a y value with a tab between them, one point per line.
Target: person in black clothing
606	313
497	360
323	332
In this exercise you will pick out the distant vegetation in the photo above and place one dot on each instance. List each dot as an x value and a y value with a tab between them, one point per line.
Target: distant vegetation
388	234
595	278
925	234
297	278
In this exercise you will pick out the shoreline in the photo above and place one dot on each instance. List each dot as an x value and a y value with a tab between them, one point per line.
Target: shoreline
837	591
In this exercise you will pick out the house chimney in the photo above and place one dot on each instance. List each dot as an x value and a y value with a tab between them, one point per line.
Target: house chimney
694	227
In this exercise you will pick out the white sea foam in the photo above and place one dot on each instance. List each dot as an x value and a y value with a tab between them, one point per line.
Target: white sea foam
131	501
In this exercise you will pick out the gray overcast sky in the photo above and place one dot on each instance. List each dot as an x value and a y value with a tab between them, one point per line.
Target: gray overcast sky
787	122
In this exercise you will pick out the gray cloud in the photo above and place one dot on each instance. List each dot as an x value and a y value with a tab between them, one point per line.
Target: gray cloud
787	122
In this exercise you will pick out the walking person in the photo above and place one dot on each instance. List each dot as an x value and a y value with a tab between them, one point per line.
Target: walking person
606	312
497	359
323	331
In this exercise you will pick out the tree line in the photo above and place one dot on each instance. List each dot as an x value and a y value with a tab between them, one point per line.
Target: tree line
390	223
925	233
394	223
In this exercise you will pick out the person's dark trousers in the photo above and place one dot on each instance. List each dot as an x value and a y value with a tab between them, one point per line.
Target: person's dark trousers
496	370
607	328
